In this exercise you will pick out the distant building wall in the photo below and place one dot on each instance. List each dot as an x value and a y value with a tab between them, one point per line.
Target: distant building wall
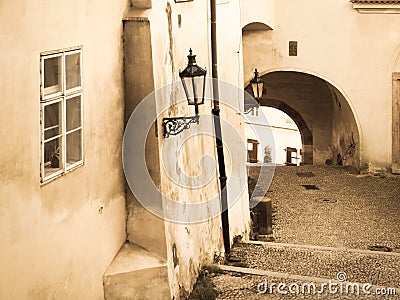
276	133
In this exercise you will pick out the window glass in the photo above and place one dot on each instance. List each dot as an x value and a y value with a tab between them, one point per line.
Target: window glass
52	156
73	113
73	70
74	147
52	75
52	116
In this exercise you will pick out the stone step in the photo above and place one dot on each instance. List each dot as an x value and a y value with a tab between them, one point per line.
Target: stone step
361	266
135	273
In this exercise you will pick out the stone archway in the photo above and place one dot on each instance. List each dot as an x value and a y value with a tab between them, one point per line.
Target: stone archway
328	127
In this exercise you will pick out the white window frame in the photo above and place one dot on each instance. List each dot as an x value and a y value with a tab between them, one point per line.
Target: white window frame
61	97
43	89
79	162
75	89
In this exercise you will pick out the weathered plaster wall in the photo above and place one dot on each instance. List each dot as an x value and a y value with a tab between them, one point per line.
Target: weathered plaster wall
143	228
230	70
176	27
192	249
56	242
396	115
345	135
348	49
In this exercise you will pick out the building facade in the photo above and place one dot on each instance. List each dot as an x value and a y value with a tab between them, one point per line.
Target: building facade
71	227
274	132
332	68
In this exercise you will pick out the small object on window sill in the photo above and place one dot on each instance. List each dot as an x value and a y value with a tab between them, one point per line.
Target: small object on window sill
55	163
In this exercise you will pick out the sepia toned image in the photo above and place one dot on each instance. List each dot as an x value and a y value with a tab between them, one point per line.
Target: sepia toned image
200	149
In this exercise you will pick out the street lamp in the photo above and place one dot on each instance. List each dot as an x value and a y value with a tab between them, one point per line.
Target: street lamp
257	85
193	80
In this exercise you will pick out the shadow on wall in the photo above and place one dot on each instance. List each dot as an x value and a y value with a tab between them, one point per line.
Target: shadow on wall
345	135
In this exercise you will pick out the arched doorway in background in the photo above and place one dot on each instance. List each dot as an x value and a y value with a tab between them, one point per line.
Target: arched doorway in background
329	130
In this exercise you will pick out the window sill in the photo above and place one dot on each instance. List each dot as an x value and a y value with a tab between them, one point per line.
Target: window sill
51	179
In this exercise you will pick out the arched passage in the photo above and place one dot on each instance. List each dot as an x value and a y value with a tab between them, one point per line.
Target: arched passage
325	119
305	132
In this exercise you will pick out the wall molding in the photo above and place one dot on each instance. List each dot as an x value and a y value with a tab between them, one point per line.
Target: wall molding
377	8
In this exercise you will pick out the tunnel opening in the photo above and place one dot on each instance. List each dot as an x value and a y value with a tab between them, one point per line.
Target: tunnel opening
322	113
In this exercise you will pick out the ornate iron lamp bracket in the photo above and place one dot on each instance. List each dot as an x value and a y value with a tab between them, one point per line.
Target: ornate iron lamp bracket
174	126
249	110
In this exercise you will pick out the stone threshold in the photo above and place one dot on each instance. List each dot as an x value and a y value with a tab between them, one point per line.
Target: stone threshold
322	248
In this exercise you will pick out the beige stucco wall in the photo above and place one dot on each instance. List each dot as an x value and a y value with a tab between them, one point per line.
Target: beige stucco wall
54	242
355	52
197	243
261	12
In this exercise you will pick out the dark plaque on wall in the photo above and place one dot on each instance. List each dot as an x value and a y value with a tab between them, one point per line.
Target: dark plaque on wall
292	48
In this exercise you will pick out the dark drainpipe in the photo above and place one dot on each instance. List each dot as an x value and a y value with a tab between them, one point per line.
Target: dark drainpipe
218	133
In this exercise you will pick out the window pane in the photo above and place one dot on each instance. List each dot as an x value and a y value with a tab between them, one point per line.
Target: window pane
73	113
73	70
52	75
52	117
74	147
52	157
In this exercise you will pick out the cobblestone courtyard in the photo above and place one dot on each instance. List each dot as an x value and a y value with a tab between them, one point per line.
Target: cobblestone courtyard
347	210
321	232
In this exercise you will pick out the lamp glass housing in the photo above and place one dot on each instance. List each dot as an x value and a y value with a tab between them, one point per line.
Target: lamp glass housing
194	81
194	89
257	86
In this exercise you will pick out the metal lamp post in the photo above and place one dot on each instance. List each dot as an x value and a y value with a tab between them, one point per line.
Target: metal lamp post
194	83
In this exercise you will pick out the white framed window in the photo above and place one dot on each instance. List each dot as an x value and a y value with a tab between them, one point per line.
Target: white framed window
61	114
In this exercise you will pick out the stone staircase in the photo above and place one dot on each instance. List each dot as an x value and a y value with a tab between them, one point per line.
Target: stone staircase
136	274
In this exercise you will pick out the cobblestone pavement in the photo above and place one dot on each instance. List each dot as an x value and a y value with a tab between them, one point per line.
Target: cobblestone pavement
342	217
237	286
359	266
347	210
